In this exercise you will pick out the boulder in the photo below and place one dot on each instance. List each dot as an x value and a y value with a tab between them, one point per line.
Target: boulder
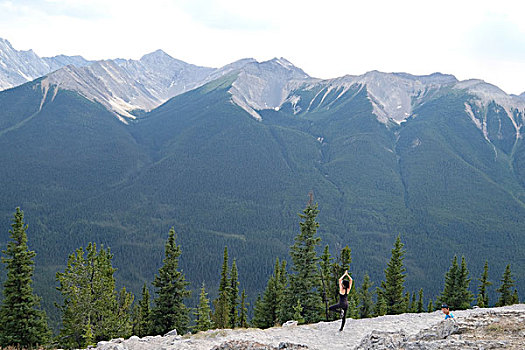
171	333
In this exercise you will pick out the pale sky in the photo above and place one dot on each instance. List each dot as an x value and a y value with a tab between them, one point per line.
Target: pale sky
326	38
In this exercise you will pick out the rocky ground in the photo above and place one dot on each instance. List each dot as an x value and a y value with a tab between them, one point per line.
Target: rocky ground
496	328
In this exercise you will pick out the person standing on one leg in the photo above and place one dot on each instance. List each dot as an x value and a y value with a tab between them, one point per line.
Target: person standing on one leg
344	289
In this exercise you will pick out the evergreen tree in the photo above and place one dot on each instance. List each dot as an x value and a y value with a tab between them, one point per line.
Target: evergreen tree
413	305
281	293
170	285
483	297
381	306
259	319
455	292
463	294
325	270
346	260
203	313
234	296
366	304
92	310
122	320
406	302
22	322
419	308
504	290
393	286
447	296
243	317
353	303
515	297
304	282
298	313
143	322
221	317
266	313
430	306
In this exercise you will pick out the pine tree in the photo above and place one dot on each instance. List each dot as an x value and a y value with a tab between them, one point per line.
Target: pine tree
203	313
281	293
170	285
463	295
392	287
304	282
92	310
505	289
419	308
406	302
122	319
353	303
413	305
259	319
448	294
366	304
455	292
430	306
22	322
298	313
515	297
325	270
483	297
266	313
381	306
143	322
89	337
221	317
243	317
234	296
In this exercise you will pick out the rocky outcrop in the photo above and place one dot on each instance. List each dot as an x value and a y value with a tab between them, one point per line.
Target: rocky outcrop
497	328
248	345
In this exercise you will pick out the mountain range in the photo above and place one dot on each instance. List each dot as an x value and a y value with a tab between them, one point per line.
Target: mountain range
117	151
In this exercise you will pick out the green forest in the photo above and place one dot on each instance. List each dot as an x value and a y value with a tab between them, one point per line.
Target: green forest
92	309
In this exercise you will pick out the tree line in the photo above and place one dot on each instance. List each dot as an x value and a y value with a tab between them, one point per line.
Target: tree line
93	309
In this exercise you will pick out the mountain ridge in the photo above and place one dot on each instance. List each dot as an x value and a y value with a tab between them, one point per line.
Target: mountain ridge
18	67
126	86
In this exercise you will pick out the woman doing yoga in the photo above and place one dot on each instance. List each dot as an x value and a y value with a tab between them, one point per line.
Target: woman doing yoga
344	289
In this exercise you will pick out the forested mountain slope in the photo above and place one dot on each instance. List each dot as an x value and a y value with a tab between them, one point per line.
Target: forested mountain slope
205	165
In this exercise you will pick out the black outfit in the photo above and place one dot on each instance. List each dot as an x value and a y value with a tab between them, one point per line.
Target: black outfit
343	305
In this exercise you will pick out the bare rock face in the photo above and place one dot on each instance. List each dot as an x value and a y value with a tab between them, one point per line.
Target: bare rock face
249	345
18	67
494	329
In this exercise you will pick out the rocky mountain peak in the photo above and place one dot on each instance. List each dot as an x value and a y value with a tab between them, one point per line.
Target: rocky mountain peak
392	95
265	85
5	46
123	86
18	67
160	57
